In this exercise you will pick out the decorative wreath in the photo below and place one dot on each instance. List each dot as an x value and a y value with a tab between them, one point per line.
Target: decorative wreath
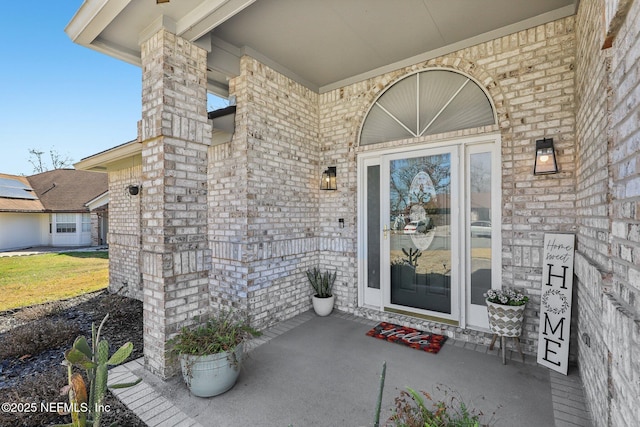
555	310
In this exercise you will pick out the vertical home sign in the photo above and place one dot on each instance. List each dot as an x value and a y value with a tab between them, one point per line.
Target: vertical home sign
555	306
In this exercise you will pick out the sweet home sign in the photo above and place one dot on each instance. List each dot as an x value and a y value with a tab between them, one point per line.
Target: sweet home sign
555	306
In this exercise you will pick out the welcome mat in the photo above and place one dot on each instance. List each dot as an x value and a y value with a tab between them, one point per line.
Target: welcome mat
413	338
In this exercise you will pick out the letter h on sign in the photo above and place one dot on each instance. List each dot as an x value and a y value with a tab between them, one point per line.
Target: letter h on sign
563	276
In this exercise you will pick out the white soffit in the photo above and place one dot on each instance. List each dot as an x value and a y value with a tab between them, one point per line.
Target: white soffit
120	157
322	44
332	43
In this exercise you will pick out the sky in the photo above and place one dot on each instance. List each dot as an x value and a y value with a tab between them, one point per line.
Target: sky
57	95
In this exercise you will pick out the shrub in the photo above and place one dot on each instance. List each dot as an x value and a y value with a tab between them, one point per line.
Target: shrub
413	410
35	337
219	334
38	311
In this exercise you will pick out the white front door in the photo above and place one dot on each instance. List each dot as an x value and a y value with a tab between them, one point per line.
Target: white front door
426	242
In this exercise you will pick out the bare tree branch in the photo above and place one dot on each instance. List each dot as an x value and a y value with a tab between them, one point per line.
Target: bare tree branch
58	161
35	158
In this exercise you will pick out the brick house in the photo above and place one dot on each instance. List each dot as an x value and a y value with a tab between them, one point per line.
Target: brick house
423	110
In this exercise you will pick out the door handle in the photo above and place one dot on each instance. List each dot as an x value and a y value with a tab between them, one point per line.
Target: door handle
385	230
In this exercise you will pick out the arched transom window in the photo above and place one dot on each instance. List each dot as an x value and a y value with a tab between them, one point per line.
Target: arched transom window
427	103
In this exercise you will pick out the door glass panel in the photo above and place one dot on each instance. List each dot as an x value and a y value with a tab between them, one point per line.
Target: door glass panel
373	227
420	238
480	225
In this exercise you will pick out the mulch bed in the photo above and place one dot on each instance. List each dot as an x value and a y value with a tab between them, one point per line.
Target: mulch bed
26	379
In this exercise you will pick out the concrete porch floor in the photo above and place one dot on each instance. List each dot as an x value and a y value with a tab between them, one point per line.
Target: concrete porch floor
314	371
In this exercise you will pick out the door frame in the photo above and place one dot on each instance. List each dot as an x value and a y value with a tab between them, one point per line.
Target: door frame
372	157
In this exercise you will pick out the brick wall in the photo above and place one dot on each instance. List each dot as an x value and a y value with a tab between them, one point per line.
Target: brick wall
263	198
607	266
591	137
338	127
95	238
124	233
269	222
592	175
176	135
254	203
530	77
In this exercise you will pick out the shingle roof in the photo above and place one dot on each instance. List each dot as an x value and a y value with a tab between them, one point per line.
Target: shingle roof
68	190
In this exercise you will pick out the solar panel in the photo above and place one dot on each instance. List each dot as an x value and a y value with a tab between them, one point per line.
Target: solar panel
14	183
16	193
15	189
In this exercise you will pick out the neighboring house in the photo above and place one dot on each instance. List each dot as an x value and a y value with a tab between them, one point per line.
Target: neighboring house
23	222
62	207
423	108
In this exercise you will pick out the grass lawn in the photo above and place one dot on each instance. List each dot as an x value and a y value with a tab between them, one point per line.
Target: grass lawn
34	279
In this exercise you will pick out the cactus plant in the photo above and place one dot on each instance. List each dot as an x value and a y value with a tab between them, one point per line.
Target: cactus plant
412	256
376	422
86	409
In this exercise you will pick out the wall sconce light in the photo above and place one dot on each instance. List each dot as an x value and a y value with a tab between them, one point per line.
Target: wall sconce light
329	179
545	162
134	189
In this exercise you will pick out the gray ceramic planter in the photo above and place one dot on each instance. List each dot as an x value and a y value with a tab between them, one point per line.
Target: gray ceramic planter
210	375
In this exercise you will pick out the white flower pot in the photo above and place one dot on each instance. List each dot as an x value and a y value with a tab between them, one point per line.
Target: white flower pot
323	306
505	320
212	374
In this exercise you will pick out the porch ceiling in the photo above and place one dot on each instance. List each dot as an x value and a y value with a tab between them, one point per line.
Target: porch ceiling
322	44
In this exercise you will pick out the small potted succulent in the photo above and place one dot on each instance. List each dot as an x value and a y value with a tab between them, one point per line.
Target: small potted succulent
210	355
506	311
322	284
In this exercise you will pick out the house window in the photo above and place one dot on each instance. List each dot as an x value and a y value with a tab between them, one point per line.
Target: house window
86	223
427	103
65	223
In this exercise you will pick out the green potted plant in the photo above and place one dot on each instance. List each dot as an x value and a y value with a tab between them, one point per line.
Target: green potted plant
322	284
210	355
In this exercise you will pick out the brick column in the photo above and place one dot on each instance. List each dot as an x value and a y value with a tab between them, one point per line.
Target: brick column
175	135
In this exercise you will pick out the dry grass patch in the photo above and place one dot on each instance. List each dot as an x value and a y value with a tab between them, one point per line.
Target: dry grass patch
29	340
438	261
35	279
38	311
